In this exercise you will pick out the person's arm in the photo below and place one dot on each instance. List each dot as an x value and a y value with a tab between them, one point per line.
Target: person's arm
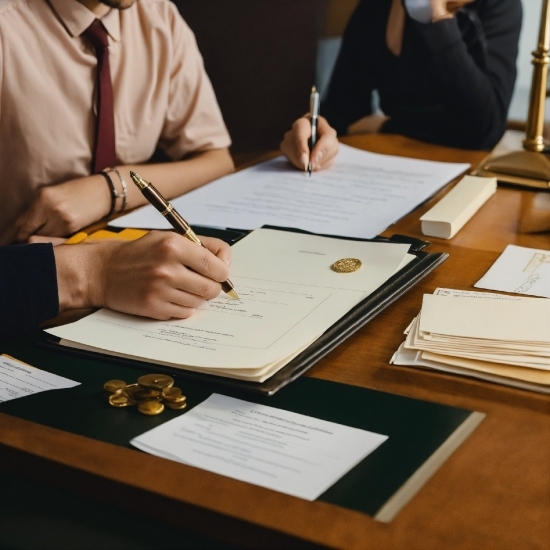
59	210
349	98
161	275
194	136
476	94
28	288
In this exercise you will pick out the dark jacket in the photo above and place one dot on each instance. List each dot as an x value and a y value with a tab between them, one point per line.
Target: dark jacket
28	288
451	85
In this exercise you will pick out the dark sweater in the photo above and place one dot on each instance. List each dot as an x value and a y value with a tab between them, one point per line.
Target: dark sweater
451	85
28	288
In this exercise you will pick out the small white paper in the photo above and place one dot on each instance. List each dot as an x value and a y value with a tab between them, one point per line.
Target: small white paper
520	270
283	451
18	380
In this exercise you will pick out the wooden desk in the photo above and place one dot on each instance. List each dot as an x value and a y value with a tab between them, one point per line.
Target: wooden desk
494	491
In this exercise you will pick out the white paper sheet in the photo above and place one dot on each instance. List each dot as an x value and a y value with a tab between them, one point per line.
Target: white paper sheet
361	195
289	296
520	270
19	380
284	451
526	320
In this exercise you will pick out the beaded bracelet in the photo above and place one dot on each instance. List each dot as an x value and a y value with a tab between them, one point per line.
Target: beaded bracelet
114	194
122	184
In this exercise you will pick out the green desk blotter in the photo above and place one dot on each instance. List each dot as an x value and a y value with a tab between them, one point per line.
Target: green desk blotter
421	434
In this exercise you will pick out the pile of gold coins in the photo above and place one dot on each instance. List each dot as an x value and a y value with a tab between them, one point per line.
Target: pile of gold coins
151	394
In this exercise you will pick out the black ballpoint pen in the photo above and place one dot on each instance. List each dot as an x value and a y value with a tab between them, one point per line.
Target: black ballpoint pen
314	118
174	219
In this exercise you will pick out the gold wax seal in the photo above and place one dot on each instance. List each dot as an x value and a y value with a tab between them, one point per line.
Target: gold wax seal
346	265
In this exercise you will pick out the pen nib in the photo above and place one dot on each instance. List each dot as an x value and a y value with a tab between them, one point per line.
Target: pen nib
139	181
233	295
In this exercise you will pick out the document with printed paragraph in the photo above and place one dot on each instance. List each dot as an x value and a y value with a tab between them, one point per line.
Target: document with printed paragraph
288	294
17	379
281	450
361	195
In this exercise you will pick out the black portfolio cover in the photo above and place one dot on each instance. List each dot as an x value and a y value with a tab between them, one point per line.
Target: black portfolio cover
356	318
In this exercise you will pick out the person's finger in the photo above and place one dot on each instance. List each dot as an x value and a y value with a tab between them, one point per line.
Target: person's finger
194	283
218	247
184	299
439	10
326	147
173	247
33	239
295	143
30	223
326	165
163	311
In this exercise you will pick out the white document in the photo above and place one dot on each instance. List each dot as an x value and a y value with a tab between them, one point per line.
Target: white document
526	320
18	379
361	195
288	297
283	451
520	270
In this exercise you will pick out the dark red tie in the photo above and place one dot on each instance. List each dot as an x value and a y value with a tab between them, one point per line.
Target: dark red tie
104	149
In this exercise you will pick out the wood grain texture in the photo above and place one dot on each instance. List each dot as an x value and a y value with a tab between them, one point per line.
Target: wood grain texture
493	492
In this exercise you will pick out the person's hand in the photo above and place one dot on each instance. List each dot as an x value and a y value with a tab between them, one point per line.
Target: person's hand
59	210
445	9
161	275
295	145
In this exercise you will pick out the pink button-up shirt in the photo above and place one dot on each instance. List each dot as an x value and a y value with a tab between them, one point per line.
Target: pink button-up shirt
162	95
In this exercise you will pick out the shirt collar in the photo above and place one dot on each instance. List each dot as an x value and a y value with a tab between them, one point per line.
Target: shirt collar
77	18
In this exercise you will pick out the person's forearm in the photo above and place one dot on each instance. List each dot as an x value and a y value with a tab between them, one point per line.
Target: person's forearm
173	179
477	90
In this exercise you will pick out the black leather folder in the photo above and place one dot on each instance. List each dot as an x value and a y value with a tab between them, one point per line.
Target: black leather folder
356	318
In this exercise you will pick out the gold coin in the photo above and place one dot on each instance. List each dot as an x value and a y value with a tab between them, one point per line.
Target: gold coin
114	386
171	393
176	406
151	408
130	392
147	394
176	399
346	265
118	400
156	381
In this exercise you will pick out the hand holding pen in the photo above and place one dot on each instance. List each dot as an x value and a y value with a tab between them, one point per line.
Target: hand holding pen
175	220
314	120
298	140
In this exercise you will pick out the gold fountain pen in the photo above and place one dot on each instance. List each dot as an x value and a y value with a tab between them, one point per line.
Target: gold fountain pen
174	219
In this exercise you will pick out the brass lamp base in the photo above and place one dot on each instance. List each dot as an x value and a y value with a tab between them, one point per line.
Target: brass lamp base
523	168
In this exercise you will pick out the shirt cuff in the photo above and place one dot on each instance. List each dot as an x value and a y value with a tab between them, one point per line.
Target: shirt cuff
28	288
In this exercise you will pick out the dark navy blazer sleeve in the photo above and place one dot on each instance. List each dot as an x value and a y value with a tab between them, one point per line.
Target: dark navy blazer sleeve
28	288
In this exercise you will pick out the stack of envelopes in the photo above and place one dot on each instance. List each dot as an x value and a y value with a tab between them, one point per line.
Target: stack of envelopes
495	337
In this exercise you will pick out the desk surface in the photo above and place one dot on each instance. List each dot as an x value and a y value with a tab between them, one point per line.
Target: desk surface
494	491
